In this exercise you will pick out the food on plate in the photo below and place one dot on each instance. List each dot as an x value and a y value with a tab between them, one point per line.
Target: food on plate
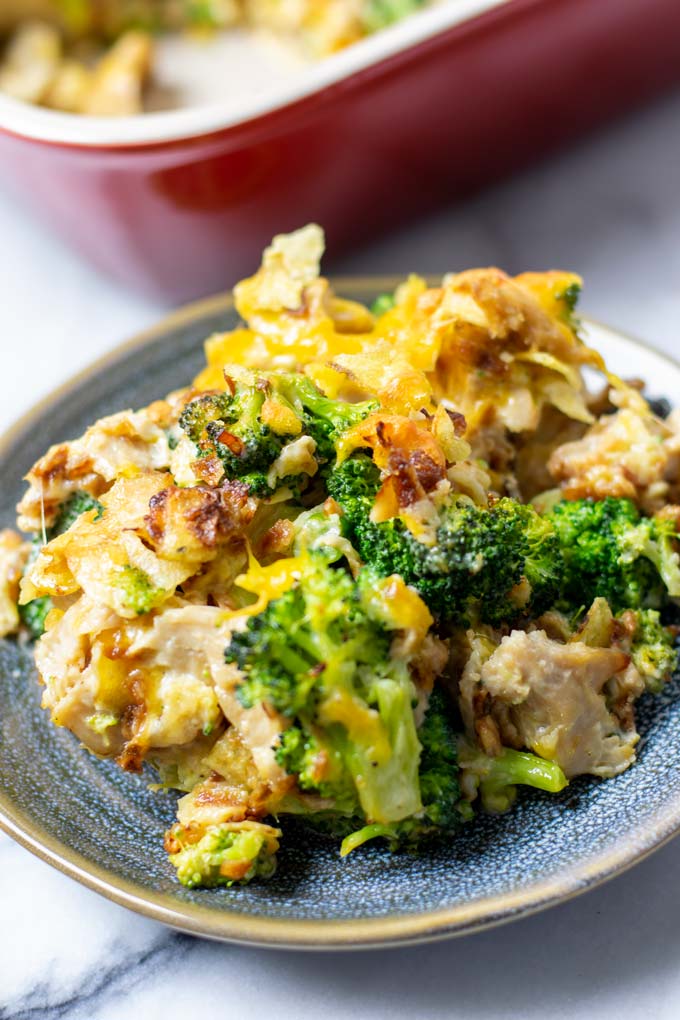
374	568
96	56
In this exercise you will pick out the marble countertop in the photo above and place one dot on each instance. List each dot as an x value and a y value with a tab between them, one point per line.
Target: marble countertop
609	209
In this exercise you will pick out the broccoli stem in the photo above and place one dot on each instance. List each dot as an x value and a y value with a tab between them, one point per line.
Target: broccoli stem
519	768
387	786
361	836
333	411
498	776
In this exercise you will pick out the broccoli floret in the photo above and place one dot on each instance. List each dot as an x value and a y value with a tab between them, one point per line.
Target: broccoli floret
318	768
379	14
612	552
655	539
325	420
496	778
569	299
248	427
228	854
138	591
383	303
200	412
71	509
493	551
354	485
443	810
228	426
34	614
204	13
653	650
320	622
319	655
300	754
479	557
439	787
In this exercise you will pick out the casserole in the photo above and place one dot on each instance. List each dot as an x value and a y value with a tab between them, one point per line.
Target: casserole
179	203
102	826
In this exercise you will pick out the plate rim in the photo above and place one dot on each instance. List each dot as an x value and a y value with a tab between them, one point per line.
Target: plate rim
220	924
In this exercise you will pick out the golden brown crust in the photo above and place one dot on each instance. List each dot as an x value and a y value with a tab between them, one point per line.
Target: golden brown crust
118	446
277	541
179	518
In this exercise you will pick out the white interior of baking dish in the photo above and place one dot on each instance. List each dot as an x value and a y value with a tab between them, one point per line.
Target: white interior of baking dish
231	79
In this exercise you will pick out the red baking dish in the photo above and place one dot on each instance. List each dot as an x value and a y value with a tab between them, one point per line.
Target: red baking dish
180	203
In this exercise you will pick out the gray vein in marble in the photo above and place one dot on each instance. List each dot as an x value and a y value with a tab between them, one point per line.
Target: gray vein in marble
123	977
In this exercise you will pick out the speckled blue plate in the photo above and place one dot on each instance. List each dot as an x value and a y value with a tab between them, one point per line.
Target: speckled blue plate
105	829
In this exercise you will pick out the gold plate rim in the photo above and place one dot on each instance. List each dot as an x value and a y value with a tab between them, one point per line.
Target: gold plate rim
369	933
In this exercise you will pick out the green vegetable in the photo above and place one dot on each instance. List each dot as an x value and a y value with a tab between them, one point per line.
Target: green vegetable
139	593
225	855
100	722
443	811
319	655
77	504
325	420
203	13
319	768
230	427
34	614
496	778
569	298
383	303
653	650
480	554
321	531
611	551
378	14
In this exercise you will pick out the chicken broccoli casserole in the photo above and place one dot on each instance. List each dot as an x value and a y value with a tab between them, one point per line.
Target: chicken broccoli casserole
96	56
375	568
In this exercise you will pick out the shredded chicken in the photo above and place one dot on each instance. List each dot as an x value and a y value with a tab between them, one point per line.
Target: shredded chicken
128	688
87	688
625	454
550	697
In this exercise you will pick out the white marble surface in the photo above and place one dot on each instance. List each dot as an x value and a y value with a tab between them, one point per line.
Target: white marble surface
609	209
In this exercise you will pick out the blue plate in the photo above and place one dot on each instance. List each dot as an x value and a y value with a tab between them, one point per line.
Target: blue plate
105	828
